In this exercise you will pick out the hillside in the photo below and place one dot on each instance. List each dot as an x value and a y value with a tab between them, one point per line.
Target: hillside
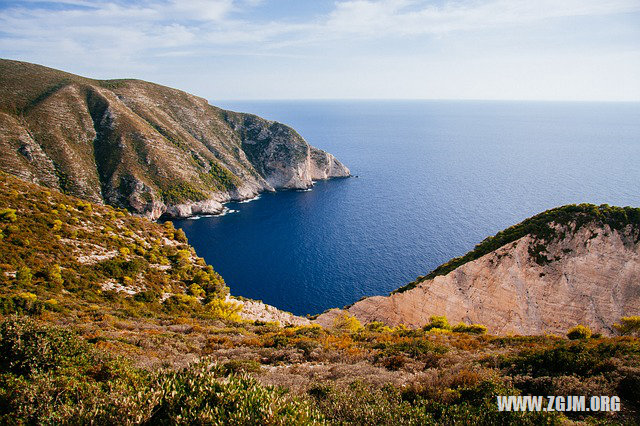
147	148
62	254
582	261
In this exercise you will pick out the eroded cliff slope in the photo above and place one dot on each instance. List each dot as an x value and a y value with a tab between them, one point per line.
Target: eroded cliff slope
145	147
567	266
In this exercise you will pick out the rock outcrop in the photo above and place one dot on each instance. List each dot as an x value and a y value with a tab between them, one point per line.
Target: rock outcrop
145	147
254	310
584	270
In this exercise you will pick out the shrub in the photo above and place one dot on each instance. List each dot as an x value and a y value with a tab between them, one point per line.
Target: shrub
439	322
470	329
22	303
628	325
24	276
177	193
50	376
181	303
346	323
582	358
182	257
54	276
148	296
56	225
579	332
197	395
196	290
52	305
8	215
377	327
180	236
27	347
84	207
220	308
241	366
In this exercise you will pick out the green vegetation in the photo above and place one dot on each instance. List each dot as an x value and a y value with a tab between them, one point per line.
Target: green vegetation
53	374
63	249
437	322
8	215
470	328
220	177
144	144
347	323
541	228
49	375
181	192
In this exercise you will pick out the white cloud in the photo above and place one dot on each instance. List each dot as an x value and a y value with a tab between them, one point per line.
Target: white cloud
117	38
407	17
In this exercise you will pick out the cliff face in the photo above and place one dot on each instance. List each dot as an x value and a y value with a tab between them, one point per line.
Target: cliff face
588	274
151	149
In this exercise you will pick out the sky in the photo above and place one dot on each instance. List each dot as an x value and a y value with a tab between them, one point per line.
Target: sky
348	49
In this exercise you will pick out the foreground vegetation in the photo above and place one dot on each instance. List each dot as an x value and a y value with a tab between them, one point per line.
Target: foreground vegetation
256	373
110	319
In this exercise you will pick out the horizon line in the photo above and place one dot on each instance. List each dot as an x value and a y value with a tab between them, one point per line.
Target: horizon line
423	100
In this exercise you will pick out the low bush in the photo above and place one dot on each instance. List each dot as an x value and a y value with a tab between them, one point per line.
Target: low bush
346	323
49	375
470	328
439	322
579	332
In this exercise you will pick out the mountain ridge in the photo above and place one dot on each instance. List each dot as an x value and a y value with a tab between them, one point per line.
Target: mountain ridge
145	147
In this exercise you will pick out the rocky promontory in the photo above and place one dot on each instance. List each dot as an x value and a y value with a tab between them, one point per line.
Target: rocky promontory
567	266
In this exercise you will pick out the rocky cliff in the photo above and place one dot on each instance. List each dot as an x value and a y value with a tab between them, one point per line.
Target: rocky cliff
149	148
570	265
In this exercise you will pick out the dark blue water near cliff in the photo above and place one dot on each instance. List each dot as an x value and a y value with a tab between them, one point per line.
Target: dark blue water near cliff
435	178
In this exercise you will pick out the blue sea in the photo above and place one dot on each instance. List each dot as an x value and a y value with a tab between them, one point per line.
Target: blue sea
434	178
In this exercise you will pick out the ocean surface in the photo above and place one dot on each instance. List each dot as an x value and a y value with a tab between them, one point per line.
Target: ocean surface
434	179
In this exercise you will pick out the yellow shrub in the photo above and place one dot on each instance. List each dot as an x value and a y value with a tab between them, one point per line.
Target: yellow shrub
628	325
28	296
579	332
437	330
220	308
437	322
346	323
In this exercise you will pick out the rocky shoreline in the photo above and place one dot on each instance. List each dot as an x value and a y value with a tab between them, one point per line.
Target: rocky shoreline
214	206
